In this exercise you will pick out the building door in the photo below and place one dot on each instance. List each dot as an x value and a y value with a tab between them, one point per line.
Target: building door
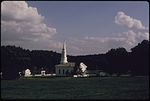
63	71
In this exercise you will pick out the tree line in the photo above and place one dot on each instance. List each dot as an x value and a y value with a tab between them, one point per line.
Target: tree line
16	59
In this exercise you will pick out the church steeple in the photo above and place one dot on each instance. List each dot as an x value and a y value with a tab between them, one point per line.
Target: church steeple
64	54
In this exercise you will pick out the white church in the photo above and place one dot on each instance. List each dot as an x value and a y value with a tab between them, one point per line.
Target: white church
65	68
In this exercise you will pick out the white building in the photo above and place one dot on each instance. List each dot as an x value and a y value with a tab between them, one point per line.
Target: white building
43	73
81	71
27	73
65	68
82	67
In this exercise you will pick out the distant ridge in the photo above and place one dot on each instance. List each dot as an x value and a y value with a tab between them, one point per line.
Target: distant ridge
15	59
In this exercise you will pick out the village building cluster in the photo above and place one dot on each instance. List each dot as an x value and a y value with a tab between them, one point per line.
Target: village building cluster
66	68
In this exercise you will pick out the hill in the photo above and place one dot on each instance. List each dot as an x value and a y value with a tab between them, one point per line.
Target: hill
15	59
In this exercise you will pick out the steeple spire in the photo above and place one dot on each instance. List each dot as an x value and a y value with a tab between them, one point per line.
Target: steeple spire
64	54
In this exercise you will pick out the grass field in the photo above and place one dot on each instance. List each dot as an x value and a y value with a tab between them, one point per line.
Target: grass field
76	88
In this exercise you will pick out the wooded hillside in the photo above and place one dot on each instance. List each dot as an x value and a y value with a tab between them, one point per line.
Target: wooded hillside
15	59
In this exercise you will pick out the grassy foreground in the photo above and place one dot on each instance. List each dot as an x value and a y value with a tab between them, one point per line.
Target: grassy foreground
76	88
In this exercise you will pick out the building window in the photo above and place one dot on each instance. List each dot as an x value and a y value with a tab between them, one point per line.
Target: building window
63	71
67	72
59	71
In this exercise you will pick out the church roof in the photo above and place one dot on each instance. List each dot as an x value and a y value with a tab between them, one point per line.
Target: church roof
70	64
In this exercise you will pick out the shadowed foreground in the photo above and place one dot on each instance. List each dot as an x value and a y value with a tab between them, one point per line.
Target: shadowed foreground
76	88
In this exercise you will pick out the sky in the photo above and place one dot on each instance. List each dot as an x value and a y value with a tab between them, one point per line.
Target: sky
89	27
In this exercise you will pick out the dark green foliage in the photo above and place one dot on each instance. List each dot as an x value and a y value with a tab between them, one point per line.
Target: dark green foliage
140	58
15	59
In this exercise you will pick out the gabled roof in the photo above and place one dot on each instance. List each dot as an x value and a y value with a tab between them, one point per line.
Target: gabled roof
70	64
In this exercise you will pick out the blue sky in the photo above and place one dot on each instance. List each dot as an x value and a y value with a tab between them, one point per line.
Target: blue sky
88	27
87	17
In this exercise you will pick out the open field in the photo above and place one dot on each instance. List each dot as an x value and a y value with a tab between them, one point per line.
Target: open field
76	88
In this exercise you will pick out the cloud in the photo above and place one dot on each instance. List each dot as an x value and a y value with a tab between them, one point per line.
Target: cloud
105	43
105	39
135	34
127	40
22	25
20	11
20	22
122	19
132	37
